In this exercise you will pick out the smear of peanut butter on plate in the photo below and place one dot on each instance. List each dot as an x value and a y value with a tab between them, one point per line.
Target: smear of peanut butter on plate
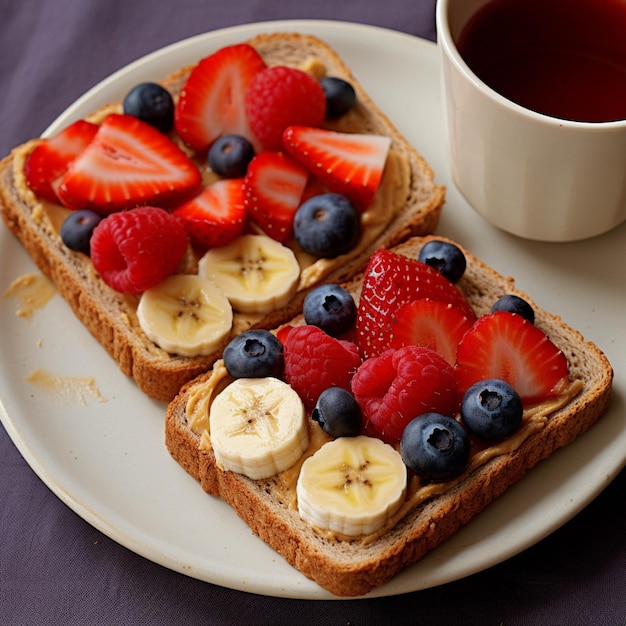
68	388
32	291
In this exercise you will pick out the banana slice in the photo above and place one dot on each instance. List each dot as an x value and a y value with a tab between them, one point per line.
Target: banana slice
351	486
185	314
257	273
258	427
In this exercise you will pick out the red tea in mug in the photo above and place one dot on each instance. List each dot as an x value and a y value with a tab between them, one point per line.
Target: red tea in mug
563	58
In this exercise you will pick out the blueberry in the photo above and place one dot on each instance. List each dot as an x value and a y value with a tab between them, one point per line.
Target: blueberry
254	354
331	308
445	257
230	155
77	228
436	447
515	304
340	96
491	409
152	104
327	225
338	413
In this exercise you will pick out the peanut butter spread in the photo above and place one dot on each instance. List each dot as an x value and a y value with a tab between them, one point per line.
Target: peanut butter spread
534	419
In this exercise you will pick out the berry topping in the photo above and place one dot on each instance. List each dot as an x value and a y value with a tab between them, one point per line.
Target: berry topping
340	96
327	226
401	384
330	307
128	163
350	164
436	447
77	228
338	413
315	361
430	323
390	281
216	216
445	257
212	101
281	96
254	353
134	250
514	304
491	409
273	188
49	161
506	346
151	103
230	155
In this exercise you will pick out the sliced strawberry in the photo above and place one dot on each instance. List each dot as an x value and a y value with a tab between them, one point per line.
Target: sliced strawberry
216	216
504	345
390	281
350	164
49	161
128	163
273	189
314	187
212	102
283	331
432	324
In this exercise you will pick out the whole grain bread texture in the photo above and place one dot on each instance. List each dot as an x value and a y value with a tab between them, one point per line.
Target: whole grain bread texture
353	568
111	317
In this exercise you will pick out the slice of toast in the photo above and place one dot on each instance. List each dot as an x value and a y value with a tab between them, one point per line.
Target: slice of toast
352	568
111	317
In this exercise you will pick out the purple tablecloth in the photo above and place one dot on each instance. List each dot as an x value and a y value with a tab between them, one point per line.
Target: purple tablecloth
57	569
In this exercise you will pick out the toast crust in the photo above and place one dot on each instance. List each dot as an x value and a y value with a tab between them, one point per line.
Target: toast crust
110	317
355	568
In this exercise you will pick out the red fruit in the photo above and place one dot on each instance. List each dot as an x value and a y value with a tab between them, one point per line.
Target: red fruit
283	96
127	164
216	216
314	187
504	345
350	164
402	384
135	250
212	102
432	324
273	189
48	162
390	281
315	361
282	333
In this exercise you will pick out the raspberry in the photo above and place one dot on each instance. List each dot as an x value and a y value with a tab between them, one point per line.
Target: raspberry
315	361
135	250
399	385
280	96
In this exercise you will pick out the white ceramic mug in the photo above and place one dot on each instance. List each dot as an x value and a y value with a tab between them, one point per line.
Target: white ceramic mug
532	175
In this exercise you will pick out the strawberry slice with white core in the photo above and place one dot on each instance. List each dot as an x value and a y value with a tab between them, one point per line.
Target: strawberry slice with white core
216	216
273	188
212	101
432	324
390	281
127	164
348	163
506	346
48	162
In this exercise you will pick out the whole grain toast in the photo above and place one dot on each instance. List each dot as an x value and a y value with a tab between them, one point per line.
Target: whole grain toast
111	316
352	568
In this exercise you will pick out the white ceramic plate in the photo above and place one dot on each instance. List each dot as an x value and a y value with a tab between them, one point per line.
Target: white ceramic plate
107	461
